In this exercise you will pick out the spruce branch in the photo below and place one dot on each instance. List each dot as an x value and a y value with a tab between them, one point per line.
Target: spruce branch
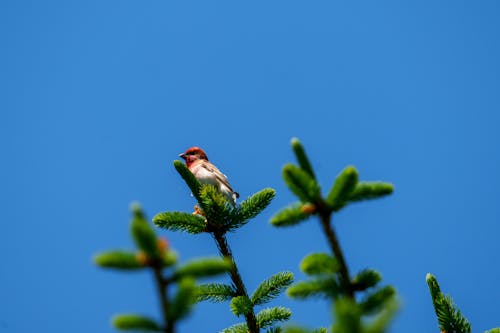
292	215
449	317
342	187
301	183
365	279
370	190
251	207
272	287
203	267
225	251
133	322
381	321
162	289
301	156
117	259
143	234
154	254
320	330
332	278
270	316
327	287
275	329
215	292
319	263
241	305
189	178
147	241
237	328
434	289
169	258
221	217
183	300
298	329
337	251
218	211
174	221
347	316
377	300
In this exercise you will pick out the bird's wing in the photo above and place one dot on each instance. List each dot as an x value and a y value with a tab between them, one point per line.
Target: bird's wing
219	175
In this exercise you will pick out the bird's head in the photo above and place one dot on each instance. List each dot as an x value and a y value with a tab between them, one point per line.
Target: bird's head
193	154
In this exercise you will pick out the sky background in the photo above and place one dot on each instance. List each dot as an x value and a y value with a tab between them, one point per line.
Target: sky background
97	99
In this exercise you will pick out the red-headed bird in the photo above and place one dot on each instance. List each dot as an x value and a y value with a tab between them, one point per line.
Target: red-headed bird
207	173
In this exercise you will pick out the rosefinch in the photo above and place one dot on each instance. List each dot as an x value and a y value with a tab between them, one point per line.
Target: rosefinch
207	173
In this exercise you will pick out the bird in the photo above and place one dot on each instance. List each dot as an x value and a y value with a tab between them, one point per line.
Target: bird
206	173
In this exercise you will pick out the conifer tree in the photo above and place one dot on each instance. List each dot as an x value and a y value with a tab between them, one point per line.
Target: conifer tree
217	217
155	254
329	273
359	303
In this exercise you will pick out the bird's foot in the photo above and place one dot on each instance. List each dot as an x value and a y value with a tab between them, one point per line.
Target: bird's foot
198	211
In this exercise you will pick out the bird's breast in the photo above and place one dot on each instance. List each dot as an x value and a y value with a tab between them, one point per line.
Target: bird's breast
203	175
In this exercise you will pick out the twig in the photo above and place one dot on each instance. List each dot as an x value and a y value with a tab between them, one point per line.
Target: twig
162	286
325	218
236	278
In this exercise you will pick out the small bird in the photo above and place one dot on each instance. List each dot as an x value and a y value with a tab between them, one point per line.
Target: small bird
207	173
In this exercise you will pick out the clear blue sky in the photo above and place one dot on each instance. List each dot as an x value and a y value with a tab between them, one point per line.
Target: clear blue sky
98	98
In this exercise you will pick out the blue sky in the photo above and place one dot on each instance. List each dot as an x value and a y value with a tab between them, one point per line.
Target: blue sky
99	97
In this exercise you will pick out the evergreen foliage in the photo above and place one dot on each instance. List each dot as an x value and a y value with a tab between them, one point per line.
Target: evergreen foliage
370	190
236	328
320	330
298	329
271	288
217	216
215	292
251	207
189	178
270	316
154	254
327	287
342	187
319	263
218	211
241	305
133	322
183	300
301	183
143	234
449	317
124	260
330	277
174	221
203	268
365	279
291	215
375	301
359	304
302	158
276	329
169	258
379	323
347	315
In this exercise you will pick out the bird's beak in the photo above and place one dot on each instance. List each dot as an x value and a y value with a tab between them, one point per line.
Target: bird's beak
182	156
